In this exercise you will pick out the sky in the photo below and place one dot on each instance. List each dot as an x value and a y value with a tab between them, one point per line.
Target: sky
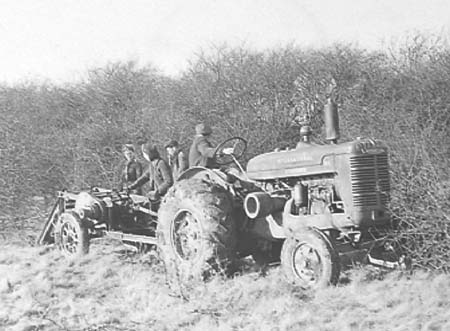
59	40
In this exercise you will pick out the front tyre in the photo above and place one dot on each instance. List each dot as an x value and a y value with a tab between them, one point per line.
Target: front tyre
71	235
309	260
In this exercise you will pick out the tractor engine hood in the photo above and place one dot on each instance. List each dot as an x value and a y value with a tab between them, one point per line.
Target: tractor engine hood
306	159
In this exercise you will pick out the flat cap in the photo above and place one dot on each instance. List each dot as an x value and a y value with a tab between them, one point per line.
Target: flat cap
172	143
203	128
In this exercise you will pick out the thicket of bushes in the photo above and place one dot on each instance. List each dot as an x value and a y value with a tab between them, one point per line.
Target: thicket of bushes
55	137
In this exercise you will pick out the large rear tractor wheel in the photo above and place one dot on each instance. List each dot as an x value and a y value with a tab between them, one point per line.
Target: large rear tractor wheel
196	231
309	260
71	235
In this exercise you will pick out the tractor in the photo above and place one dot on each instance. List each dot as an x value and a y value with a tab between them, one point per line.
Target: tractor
313	209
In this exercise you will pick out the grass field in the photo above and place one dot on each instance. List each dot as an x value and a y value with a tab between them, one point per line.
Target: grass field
114	288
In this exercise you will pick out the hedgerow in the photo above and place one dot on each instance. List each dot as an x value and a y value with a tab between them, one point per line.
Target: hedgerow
69	136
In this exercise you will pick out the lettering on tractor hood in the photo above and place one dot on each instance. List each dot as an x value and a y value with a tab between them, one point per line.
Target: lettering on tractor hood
301	157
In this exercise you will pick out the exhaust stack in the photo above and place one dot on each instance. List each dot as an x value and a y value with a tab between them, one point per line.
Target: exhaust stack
331	119
331	115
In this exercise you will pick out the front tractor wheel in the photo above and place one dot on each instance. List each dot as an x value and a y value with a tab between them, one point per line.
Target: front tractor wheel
71	235
309	260
196	231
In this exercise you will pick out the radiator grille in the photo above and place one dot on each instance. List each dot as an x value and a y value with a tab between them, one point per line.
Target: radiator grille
370	179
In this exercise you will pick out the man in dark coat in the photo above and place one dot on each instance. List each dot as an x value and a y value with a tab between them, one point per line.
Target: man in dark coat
158	174
201	152
177	159
131	170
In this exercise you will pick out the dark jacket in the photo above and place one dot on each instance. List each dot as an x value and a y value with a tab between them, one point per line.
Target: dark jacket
201	153
178	163
159	176
130	172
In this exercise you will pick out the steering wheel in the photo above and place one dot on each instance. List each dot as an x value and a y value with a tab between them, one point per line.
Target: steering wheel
239	146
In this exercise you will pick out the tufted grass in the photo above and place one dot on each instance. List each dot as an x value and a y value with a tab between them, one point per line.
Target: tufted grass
113	288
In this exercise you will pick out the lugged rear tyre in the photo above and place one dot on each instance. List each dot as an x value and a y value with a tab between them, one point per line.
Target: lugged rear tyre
196	231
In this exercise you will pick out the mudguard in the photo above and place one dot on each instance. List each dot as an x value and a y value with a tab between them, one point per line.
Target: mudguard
214	175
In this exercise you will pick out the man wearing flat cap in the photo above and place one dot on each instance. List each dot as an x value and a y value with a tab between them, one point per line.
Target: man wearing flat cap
158	174
202	152
177	159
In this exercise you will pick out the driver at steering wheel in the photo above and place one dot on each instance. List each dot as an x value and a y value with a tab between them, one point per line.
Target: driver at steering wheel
202	152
